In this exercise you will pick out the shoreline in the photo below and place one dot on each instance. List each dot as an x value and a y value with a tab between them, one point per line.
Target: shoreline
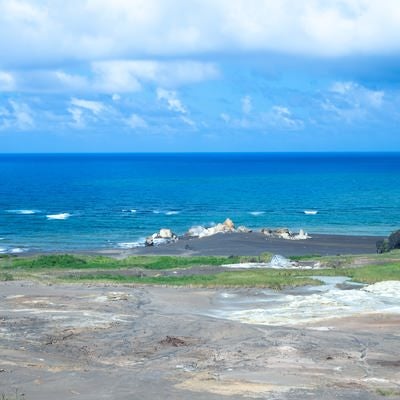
255	243
241	244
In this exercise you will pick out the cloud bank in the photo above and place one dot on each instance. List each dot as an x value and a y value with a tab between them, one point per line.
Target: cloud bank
40	33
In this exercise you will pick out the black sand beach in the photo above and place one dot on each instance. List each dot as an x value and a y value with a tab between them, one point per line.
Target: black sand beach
255	243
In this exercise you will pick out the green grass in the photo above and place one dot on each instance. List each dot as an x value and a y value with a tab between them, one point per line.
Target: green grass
374	273
78	268
68	261
258	278
388	392
6	276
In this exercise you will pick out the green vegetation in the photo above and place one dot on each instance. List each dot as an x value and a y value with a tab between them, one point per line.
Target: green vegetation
388	392
63	261
6	276
306	257
249	278
373	273
168	270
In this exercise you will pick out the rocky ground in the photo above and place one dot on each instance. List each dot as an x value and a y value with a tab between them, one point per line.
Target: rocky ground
104	342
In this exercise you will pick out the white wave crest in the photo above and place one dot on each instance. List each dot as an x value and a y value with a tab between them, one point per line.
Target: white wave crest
133	211
58	216
310	212
257	213
14	250
24	212
130	245
172	212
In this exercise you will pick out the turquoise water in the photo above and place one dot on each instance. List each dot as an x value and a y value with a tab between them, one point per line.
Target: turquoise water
110	201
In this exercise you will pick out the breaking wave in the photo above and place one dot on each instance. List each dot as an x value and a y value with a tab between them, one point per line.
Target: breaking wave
58	216
257	213
130	245
23	212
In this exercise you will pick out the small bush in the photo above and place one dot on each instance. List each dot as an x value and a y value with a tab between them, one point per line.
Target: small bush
5	276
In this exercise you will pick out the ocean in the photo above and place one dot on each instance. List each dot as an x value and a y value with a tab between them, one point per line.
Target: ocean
101	201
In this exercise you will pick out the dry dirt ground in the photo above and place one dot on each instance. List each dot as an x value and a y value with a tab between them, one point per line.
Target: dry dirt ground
103	342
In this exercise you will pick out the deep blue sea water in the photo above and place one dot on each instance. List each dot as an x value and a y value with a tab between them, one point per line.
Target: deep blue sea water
110	200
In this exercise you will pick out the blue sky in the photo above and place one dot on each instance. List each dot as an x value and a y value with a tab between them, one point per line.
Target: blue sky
168	75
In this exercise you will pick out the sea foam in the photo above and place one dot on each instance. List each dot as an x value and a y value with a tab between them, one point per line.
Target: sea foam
58	216
14	250
24	212
130	245
168	212
256	213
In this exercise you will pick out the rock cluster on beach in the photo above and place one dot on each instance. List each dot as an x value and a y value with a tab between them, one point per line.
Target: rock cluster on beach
224	227
167	236
163	236
285	233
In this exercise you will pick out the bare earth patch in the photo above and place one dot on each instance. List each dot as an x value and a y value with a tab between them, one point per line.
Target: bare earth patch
101	341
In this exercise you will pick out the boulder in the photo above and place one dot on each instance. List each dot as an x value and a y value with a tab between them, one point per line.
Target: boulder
149	241
166	234
301	235
282	233
228	224
391	243
278	261
243	229
267	231
197	231
201	231
285	233
163	236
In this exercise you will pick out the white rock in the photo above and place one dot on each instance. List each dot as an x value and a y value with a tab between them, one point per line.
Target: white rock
166	234
243	229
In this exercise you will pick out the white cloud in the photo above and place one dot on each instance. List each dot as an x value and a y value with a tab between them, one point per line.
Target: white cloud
84	111
111	77
278	117
17	116
116	97
357	95
281	117
246	104
96	107
7	82
77	116
71	81
172	100
350	101
188	121
225	117
135	122
128	75
58	31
